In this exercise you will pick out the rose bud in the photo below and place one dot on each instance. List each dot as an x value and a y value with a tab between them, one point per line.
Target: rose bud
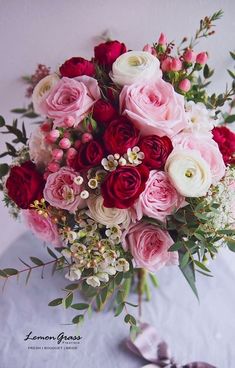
166	64
185	85
104	112
65	143
106	53
77	66
202	58
176	65
162	39
189	56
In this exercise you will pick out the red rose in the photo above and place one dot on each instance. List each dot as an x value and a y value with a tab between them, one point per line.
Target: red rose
123	186
120	135
104	112
106	53
77	66
25	184
156	150
89	155
225	139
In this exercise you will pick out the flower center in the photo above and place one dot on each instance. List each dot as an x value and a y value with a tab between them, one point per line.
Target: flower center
189	173
135	61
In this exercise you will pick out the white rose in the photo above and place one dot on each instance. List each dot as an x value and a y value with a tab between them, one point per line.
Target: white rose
135	67
199	119
107	216
39	150
189	172
41	91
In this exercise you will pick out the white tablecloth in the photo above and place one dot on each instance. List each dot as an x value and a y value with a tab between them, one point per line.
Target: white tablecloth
195	331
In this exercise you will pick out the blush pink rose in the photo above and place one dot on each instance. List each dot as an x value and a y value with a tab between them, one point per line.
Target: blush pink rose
208	149
159	198
155	108
62	192
42	227
71	97
149	246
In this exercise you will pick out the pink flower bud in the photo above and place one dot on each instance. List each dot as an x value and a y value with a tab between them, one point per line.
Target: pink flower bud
189	56
71	153
185	85
166	64
67	135
69	121
150	49
53	135
53	166
86	137
202	58
65	143
176	65
162	39
45	127
77	143
57	154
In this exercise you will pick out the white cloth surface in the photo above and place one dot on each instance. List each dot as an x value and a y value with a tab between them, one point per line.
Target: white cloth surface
195	331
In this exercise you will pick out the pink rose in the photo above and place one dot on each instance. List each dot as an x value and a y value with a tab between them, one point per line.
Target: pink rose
71	97
149	246
208	149
155	108
62	192
159	198
42	227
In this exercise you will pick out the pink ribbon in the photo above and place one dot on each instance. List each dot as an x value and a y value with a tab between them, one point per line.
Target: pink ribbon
151	347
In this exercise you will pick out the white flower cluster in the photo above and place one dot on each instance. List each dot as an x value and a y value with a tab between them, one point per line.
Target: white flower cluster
133	157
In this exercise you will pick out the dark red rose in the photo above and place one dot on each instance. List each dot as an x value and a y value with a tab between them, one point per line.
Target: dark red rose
104	112
122	187
120	135
106	53
77	66
156	150
25	184
89	155
225	139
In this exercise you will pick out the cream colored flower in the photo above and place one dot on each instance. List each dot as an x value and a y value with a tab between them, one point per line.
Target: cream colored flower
135	156
103	276
199	119
107	216
189	172
73	274
122	265
93	281
109	163
135	67
39	150
41	91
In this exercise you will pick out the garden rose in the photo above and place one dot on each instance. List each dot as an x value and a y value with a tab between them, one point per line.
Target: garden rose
189	172
42	227
135	67
149	246
225	139
104	112
41	91
154	107
208	150
107	216
89	155
156	150
39	151
71	97
123	186
120	135
77	66
62	192
159	199
106	53
25	184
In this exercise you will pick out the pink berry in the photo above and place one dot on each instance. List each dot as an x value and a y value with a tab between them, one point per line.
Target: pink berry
65	143
69	121
67	135
45	127
57	154
71	153
176	65
77	143
86	137
189	56
185	85
53	135
202	58
150	49
162	39
166	64
53	166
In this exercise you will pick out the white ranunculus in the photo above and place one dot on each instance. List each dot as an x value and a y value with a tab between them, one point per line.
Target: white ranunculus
199	119
41	91
135	67
39	150
189	172
107	216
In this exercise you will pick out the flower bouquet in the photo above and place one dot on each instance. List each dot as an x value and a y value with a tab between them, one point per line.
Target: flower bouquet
129	169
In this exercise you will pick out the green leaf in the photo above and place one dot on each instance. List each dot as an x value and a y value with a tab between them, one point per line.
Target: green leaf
68	300
18	111
37	261
104	294
130	319
71	286
231	244
55	302
119	297
154	280
131	304
189	274
2	121
202	266
230	119
206	71
184	260
231	73
10	271
134	330
52	254
126	287
175	246
78	319
4	168
98	302
30	115
232	54
3	274
80	306
118	278
119	309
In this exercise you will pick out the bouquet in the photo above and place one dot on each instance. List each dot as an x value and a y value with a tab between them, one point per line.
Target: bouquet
129	169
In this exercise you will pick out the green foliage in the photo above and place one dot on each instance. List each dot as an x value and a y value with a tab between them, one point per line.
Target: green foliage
55	302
